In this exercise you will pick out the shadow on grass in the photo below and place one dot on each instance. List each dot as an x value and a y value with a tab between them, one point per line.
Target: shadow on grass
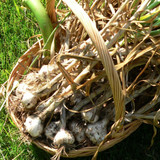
135	147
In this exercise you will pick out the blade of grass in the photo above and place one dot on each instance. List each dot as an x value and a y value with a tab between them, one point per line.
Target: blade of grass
17	8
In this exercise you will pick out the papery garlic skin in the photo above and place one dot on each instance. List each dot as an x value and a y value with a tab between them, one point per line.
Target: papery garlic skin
78	131
34	126
63	137
97	131
51	130
29	100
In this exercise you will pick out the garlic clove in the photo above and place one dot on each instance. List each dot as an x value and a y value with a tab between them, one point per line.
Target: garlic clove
34	126
29	100
63	137
51	130
97	131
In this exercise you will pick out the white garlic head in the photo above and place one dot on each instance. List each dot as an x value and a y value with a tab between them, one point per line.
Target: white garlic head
63	137
97	131
78	131
43	70
51	130
29	100
34	126
47	70
22	88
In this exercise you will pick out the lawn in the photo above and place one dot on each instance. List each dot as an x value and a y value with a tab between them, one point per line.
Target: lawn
16	25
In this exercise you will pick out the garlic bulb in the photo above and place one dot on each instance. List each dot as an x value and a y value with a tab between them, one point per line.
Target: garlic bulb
34	126
29	100
43	71
22	88
78	131
97	131
51	130
63	137
47	70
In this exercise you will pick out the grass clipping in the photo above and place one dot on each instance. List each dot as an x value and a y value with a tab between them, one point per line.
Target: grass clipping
99	83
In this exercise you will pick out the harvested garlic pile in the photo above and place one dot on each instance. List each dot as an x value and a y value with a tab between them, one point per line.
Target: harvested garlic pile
48	118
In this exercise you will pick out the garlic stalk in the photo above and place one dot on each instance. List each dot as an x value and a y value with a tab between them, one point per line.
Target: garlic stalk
50	105
92	115
50	87
87	100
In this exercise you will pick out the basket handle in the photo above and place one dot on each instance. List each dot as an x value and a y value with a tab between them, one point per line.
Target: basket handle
106	59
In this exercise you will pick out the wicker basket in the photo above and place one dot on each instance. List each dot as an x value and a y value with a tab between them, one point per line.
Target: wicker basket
115	135
18	70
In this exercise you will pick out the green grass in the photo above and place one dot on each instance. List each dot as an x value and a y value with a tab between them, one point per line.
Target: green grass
16	26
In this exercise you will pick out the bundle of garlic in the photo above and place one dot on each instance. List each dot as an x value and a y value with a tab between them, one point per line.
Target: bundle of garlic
101	78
